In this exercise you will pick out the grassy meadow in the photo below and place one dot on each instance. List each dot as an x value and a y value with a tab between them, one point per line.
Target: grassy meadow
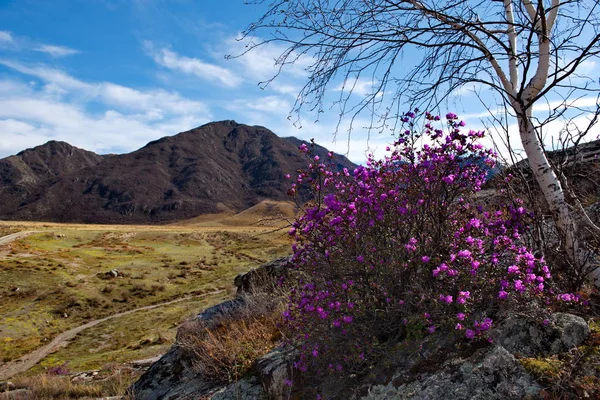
64	275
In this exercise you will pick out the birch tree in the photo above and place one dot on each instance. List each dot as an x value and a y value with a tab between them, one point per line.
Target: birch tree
419	52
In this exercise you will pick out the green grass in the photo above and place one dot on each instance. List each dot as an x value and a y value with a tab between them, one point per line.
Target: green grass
136	336
55	280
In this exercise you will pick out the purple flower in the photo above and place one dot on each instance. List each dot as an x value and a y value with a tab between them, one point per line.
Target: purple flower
469	334
446	299
513	269
519	286
464	254
448	179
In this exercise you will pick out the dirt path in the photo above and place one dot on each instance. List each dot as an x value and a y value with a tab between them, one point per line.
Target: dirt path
14	236
24	363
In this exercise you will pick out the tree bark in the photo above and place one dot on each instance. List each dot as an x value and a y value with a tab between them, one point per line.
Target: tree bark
552	191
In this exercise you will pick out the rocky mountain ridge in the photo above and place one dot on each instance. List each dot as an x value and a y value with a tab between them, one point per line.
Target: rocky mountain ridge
218	166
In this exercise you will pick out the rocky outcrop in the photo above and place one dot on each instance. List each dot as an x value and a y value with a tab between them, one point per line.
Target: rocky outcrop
266	274
489	374
173	376
557	334
439	366
440	369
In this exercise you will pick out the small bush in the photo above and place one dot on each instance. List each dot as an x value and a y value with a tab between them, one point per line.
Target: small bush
224	348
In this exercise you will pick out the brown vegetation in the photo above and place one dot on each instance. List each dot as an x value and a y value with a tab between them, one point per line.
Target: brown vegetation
225	348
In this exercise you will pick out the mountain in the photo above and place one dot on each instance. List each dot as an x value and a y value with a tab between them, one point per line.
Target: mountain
220	165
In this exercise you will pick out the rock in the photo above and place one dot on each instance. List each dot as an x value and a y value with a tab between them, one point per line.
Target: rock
274	371
6	386
529	338
112	274
266	274
227	307
18	394
171	377
490	373
244	389
145	363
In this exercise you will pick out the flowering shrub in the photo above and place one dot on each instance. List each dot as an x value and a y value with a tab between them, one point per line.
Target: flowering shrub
400	248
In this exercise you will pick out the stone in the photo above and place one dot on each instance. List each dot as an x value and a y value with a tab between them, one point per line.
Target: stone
266	274
529	338
275	370
6	386
211	314
171	377
490	373
244	389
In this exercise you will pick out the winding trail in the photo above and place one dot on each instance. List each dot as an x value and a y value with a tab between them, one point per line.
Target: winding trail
14	236
12	368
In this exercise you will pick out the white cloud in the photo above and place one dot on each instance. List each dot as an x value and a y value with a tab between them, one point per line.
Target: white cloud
56	51
156	100
582	102
6	37
269	104
192	66
101	117
263	62
29	122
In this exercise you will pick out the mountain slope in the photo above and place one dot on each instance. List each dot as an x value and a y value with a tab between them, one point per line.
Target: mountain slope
218	165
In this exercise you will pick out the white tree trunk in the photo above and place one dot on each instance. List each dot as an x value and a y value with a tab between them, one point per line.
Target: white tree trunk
552	191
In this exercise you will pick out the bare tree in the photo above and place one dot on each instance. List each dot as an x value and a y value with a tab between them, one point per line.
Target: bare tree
529	52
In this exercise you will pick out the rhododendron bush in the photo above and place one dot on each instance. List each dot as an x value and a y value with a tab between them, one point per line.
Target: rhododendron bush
401	248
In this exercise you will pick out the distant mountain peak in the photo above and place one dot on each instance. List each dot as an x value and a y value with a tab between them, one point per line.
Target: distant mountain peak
173	178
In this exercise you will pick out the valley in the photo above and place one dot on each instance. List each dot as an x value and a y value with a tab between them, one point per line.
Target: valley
128	286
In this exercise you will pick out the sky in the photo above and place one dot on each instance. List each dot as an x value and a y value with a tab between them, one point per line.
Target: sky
111	75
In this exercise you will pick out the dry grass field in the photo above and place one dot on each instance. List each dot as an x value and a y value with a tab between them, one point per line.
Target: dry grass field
62	276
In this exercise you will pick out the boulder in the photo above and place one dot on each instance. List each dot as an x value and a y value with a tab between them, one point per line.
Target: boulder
171	377
211	314
490	373
529	338
244	389
275	371
266	274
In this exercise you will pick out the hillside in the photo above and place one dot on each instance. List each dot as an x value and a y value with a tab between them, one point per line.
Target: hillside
220	165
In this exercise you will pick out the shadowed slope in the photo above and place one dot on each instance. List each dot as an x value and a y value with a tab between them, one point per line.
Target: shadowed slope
221	165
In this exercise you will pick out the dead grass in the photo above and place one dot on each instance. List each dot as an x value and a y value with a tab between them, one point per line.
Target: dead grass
112	380
224	349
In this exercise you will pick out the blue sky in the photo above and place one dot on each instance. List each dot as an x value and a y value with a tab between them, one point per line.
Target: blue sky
111	75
